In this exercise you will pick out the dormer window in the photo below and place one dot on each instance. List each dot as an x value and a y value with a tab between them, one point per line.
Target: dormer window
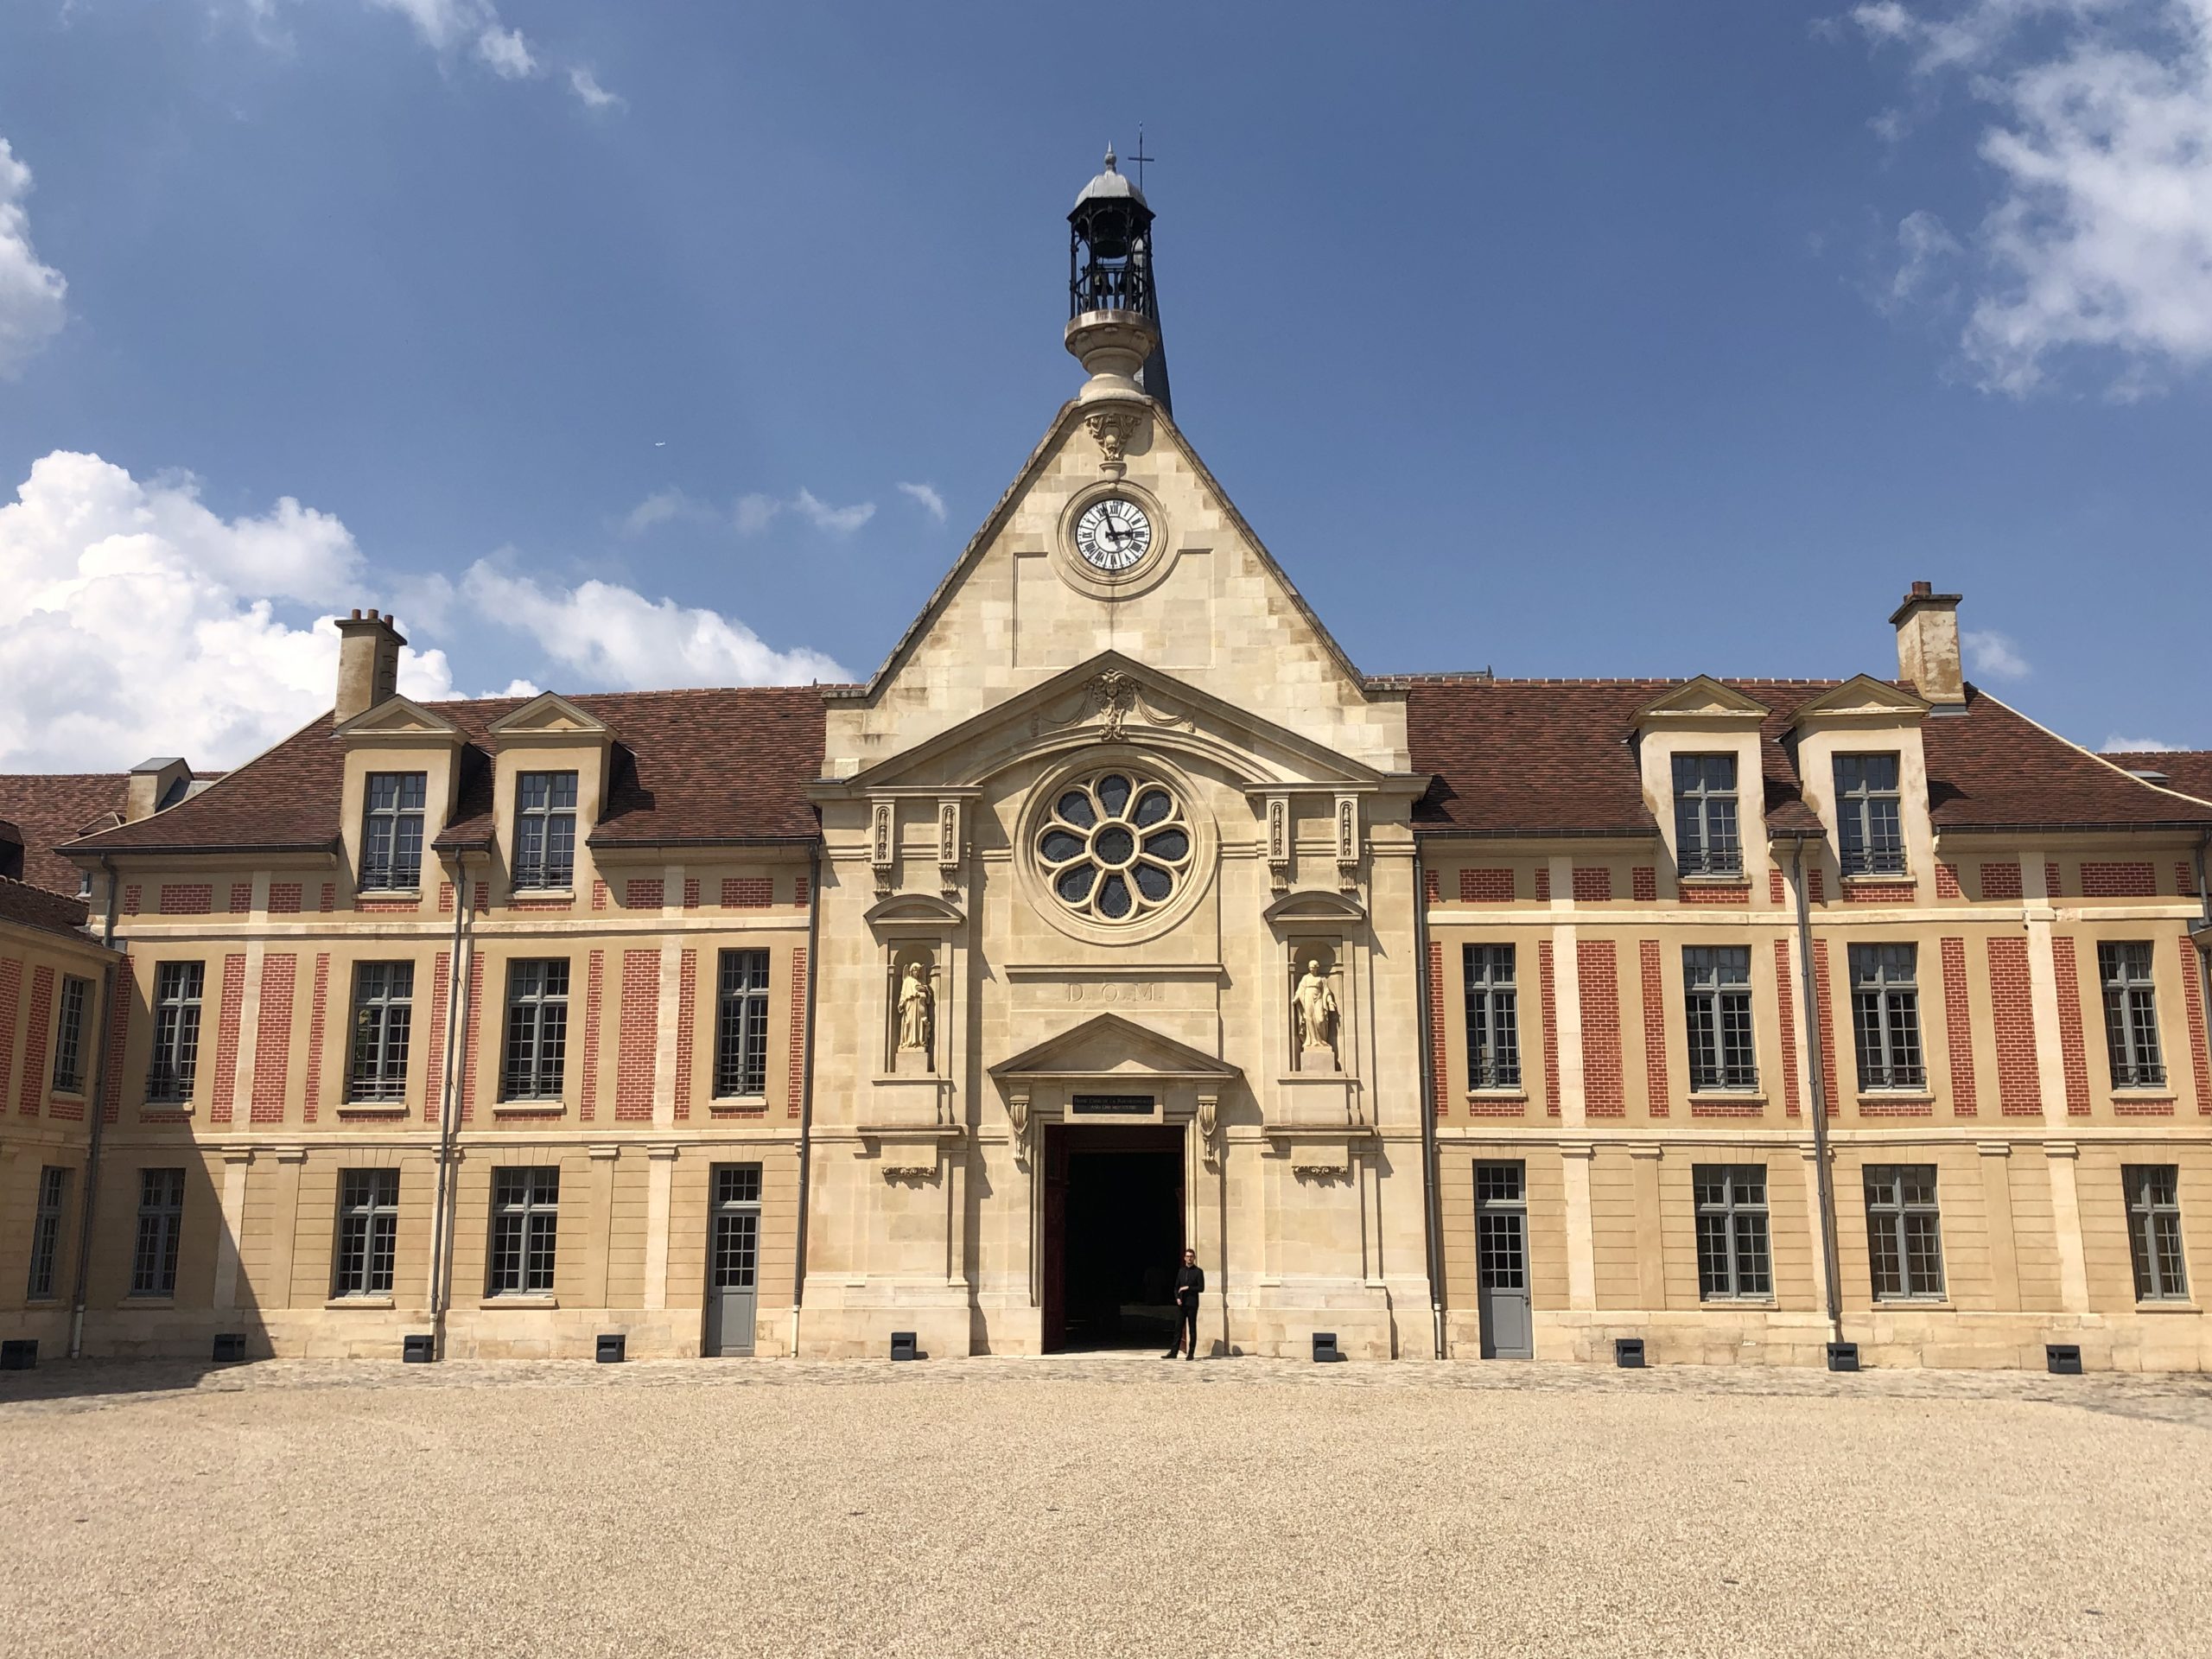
391	831
1870	825
1705	838
545	828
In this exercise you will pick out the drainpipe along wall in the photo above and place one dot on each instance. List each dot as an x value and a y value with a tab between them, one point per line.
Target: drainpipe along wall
1432	1224
1818	1106
806	1084
110	982
441	1225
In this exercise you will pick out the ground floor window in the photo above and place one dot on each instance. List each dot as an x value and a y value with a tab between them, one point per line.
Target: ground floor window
525	1227
161	1226
1732	1260
1904	1238
45	1232
368	1233
2154	1231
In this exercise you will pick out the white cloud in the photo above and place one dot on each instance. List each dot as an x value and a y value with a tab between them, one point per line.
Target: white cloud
661	506
507	53
31	294
1925	250
135	621
755	512
932	502
2098	239
2117	744
585	85
1993	654
619	639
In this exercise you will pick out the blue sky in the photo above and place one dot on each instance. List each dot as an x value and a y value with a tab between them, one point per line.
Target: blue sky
620	346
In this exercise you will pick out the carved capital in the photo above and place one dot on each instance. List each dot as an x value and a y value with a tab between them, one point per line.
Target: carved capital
1112	429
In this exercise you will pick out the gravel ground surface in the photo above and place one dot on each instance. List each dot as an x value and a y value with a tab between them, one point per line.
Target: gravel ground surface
1091	1506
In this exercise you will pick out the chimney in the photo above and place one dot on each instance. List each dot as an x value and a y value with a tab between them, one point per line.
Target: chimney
163	781
368	663
1928	644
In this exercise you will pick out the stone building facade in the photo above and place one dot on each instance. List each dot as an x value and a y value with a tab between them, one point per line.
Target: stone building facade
1119	911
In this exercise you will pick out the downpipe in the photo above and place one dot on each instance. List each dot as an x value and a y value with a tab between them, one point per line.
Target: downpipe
441	1218
1432	1224
97	1103
806	1084
1818	1105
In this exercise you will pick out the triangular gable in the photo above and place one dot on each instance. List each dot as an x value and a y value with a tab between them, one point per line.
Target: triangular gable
400	720
1108	1045
1860	699
1078	706
1702	701
550	714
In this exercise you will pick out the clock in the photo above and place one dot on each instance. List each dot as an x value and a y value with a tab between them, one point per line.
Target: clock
1113	533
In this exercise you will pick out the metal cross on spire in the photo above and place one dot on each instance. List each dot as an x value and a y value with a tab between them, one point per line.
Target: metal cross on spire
1139	156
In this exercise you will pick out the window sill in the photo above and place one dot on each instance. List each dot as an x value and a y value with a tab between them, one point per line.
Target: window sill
1713	878
147	1301
1941	1303
1500	1095
552	1107
514	894
1898	1097
1727	1098
739	1104
372	1302
532	1300
2144	1092
395	895
181	1107
373	1108
76	1095
1730	1304
2178	1306
1878	878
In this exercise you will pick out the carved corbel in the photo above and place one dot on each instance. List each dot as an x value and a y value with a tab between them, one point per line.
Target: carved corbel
1347	832
1018	1119
883	846
948	848
1113	428
1209	1128
1278	842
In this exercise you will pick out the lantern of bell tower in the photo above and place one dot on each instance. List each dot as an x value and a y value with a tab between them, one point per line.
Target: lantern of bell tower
1113	300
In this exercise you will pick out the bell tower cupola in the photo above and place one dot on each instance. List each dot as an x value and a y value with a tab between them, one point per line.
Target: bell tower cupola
1112	296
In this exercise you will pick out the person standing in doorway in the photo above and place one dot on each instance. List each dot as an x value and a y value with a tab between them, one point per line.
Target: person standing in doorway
1190	1285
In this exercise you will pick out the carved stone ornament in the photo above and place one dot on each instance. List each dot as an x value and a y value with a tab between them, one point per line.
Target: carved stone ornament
1279	843
1113	428
1114	696
1347	843
948	846
1209	1123
916	1008
882	845
1314	1013
1018	1119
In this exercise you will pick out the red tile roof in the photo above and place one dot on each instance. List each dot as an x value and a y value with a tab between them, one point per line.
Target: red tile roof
49	912
694	768
50	808
2188	770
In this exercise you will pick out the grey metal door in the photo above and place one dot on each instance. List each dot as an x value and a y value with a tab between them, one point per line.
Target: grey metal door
1502	1260
733	1258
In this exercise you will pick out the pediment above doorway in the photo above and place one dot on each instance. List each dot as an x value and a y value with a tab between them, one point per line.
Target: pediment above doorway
1106	1046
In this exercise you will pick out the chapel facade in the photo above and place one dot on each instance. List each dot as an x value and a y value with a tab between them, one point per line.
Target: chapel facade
1119	912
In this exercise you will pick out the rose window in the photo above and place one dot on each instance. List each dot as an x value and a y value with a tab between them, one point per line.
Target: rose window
1116	846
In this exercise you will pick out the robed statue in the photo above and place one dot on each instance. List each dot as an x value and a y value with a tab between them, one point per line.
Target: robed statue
1314	1009
914	1010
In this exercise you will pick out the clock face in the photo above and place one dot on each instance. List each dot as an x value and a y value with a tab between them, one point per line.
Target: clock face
1113	533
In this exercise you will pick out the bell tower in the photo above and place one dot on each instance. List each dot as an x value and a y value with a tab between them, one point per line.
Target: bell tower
1113	296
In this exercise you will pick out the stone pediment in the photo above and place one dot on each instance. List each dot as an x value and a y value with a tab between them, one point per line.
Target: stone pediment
550	714
1315	904
400	720
915	910
1702	702
1107	1046
1863	700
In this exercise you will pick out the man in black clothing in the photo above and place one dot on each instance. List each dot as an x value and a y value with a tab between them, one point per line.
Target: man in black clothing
1190	1285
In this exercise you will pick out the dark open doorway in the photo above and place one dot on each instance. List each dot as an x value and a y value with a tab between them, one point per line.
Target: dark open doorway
1113	1235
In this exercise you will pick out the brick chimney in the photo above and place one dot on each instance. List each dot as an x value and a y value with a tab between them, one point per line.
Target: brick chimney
162	781
368	663
1928	644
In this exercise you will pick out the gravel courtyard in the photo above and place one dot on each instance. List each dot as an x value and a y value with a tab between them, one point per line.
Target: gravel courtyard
1099	1506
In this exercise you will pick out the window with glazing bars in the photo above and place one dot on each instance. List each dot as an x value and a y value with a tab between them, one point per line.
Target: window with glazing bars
735	1249
1732	1258
1493	1017
177	986
392	832
1717	997
537	1029
69	1036
525	1227
2154	1230
741	1025
161	1226
1885	1017
2131	1016
45	1232
1500	1226
1706	840
383	1017
368	1233
1904	1238
545	828
1870	825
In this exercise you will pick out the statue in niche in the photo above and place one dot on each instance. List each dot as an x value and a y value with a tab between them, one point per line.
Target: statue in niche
914	1010
1313	1009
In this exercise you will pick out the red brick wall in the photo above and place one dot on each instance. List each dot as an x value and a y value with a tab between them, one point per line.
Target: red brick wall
686	994
1486	887
434	1092
241	897
645	893
1654	1029
2185	880
690	892
2119	880
748	893
795	1084
1947	882
1594	884
1881	893
1785	995
1544	883
445	898
2000	881
1429	881
272	1040
284	898
599	895
230	1013
1957	1027
1824	1011
329	900
1816	887
187	899
133	897
636	1036
472	1029
318	1012
594	988
1604	1092
2192	1000
800	894
2052	887
2012	1008
2069	1026
1776	891
11	992
1439	1073
118	1036
1644	883
1548	997
42	1016
1728	893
